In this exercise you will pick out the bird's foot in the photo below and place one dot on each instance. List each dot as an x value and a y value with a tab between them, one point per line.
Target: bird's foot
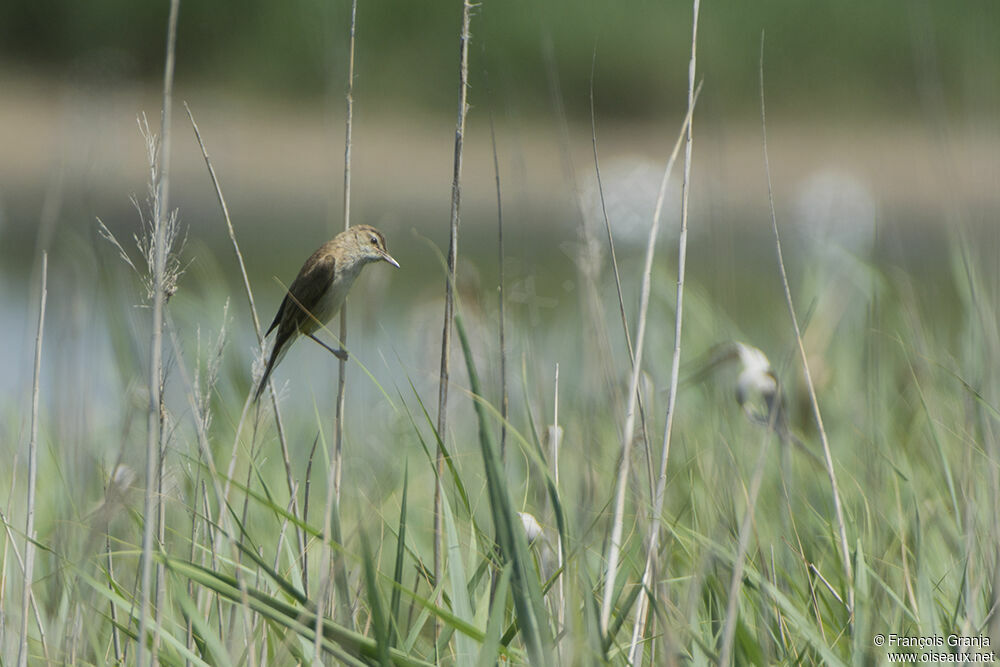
340	353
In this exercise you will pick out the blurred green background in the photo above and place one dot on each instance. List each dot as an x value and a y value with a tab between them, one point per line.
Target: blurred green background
883	136
822	57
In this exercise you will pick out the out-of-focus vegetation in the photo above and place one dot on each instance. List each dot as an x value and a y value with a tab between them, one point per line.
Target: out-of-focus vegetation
888	221
406	50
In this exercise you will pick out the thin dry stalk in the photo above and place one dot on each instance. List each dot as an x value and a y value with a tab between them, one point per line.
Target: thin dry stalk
342	363
614	267
449	302
661	485
285	457
588	257
29	524
635	651
335	471
555	441
154	440
229	224
198	401
12	545
504	402
200	414
335	468
614	551
813	401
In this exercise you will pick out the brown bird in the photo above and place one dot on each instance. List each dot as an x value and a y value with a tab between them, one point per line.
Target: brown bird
319	290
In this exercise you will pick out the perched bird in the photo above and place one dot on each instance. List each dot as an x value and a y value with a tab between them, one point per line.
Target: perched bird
319	290
756	381
756	384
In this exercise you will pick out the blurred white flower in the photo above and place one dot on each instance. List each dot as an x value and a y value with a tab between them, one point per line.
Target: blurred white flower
756	378
122	479
836	206
532	528
756	382
631	184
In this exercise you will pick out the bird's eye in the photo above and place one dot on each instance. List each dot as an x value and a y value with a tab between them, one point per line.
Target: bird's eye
374	241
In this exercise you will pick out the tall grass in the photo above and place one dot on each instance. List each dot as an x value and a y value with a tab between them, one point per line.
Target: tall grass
159	240
735	557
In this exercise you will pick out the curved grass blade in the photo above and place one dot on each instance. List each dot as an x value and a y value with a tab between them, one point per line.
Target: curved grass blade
397	570
379	625
531	612
461	604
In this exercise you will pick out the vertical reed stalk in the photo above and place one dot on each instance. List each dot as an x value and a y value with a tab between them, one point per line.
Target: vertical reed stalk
335	470
504	402
154	435
342	363
614	550
555	441
635	651
449	303
661	484
29	523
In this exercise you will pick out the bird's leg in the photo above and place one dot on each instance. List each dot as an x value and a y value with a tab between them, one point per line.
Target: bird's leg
340	353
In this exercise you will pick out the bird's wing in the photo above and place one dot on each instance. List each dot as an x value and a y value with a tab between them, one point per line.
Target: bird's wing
715	357
302	299
309	287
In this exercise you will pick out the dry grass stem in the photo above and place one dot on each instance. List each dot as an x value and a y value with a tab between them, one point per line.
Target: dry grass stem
229	224
504	402
555	442
335	468
154	440
9	543
342	363
449	303
286	459
661	485
282	441
813	401
29	524
588	256
614	268
627	434
635	650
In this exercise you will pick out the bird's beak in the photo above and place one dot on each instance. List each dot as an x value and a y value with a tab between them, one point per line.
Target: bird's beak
387	257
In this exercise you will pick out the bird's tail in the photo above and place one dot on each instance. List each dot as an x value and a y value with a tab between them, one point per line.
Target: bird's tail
271	363
264	379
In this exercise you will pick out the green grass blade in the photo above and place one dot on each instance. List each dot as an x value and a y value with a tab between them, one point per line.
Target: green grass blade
490	650
461	604
379	625
531	612
397	569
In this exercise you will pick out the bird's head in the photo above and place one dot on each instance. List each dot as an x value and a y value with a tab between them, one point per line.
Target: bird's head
370	244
